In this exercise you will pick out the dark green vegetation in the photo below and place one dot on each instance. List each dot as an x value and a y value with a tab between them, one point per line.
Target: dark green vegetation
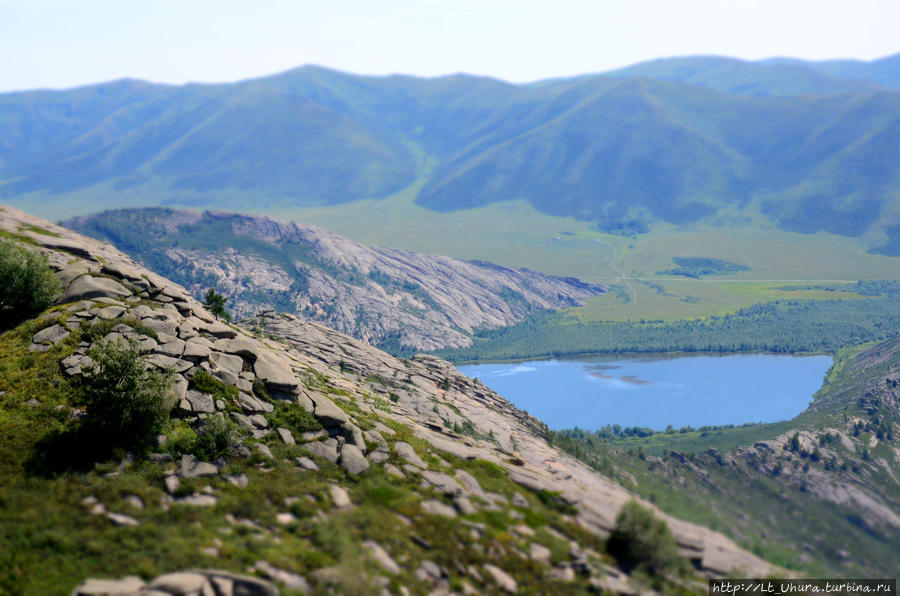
126	404
701	266
623	152
215	303
781	326
641	541
27	284
834	467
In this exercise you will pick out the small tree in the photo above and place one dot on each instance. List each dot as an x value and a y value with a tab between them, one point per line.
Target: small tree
215	303
641	541
127	405
27	283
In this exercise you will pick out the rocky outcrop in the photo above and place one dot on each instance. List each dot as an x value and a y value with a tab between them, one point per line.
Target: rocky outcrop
351	390
386	297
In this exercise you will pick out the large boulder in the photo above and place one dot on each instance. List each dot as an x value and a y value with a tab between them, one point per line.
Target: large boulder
88	286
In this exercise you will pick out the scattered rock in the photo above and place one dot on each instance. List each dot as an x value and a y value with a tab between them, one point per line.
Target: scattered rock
307	464
328	413
393	470
519	501
88	286
443	482
502	579
539	553
286	436
435	507
380	556
406	451
197	500
323	449
126	586
200	402
290	580
192	468
239	480
339	496
353	460
51	335
121	520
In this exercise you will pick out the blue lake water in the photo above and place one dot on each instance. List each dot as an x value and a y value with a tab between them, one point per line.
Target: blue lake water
656	392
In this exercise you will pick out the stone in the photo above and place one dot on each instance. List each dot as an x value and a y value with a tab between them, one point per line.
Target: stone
539	553
406	451
229	362
239	480
172	483
241	346
250	403
196	349
307	464
232	584
501	578
431	569
380	556
219	330
285	518
126	586
464	506
200	402
292	581
135	501
469	483
192	468
197	500
286	436
111	312
121	520
88	286
443	482
264	450
353	460
353	436
322	449
179	388
243	421
393	470
51	335
339	496
379	455
173	348
519	501
275	373
327	412
167	363
435	507
180	583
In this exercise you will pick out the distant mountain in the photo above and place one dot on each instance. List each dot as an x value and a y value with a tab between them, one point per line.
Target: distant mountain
395	299
764	78
883	71
673	140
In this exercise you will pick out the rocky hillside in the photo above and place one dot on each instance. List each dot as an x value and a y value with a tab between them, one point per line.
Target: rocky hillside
393	299
347	470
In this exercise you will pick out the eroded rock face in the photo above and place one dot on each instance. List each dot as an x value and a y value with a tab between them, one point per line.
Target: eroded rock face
382	296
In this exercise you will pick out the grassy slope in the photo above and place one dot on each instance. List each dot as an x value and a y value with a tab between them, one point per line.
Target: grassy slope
49	541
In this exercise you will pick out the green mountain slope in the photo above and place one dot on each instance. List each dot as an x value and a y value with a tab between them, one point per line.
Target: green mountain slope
822	154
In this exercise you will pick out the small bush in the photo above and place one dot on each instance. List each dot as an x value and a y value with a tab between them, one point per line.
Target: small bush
127	405
292	417
216	438
641	541
27	283
204	382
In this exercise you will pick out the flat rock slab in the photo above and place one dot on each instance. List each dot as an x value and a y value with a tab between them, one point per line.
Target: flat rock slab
502	579
307	464
88	286
51	335
327	412
285	435
125	586
435	507
443	482
323	450
380	556
200	402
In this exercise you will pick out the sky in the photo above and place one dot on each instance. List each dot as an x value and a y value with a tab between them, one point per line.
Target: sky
65	43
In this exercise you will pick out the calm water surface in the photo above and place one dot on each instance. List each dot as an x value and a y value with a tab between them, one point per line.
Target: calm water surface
656	392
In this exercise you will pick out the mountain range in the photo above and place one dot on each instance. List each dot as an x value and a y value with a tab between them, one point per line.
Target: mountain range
806	146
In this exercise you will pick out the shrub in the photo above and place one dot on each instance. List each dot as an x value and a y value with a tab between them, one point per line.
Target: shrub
216	438
27	283
293	417
127	405
641	541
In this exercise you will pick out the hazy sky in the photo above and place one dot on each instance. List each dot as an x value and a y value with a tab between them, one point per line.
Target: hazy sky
62	43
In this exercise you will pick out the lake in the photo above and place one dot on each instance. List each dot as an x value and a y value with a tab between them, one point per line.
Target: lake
658	391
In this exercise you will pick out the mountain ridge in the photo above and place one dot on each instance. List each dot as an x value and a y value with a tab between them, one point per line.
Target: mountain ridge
600	148
396	299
